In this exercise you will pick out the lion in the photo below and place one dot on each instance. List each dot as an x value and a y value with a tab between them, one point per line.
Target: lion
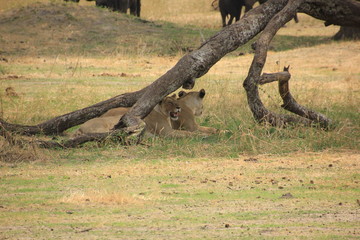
191	104
158	121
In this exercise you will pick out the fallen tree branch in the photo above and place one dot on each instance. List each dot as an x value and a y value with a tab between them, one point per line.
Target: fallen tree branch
125	136
59	124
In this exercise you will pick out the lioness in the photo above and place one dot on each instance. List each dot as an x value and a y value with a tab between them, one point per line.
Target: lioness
158	121
191	104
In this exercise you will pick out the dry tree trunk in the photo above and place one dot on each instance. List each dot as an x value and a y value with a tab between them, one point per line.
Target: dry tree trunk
337	12
347	33
198	62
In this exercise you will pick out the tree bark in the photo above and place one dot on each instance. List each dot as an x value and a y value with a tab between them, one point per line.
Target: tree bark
289	103
347	33
59	124
337	12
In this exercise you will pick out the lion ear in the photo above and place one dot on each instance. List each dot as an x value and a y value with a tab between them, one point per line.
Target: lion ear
181	93
202	93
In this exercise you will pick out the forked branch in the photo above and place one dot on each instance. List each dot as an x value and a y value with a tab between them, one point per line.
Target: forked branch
289	102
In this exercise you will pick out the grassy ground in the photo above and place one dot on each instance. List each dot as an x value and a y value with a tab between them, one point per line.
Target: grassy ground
298	196
255	182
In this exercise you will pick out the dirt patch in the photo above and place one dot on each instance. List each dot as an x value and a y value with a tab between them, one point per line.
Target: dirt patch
124	75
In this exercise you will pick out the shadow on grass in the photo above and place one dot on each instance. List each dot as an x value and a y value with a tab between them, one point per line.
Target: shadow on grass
284	43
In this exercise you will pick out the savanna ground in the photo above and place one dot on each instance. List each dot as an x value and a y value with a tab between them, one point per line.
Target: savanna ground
254	182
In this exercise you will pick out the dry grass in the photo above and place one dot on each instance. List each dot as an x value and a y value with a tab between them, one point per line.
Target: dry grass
14	154
99	197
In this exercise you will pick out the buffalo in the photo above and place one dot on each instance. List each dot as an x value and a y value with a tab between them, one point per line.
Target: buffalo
231	8
118	5
121	5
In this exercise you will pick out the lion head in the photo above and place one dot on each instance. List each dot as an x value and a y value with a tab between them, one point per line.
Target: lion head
193	100
170	107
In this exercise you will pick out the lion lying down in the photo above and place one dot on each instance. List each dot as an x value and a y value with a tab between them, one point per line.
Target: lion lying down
171	117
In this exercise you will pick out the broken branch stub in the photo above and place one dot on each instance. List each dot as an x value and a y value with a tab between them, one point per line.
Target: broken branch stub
274	77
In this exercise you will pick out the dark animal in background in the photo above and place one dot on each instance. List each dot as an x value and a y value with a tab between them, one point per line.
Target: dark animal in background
121	5
135	7
118	5
231	8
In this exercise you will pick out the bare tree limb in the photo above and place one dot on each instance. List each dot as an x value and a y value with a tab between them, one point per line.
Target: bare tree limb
59	124
125	136
272	77
291	105
338	12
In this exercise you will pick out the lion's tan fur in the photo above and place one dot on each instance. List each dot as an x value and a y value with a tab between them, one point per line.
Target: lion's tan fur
98	125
